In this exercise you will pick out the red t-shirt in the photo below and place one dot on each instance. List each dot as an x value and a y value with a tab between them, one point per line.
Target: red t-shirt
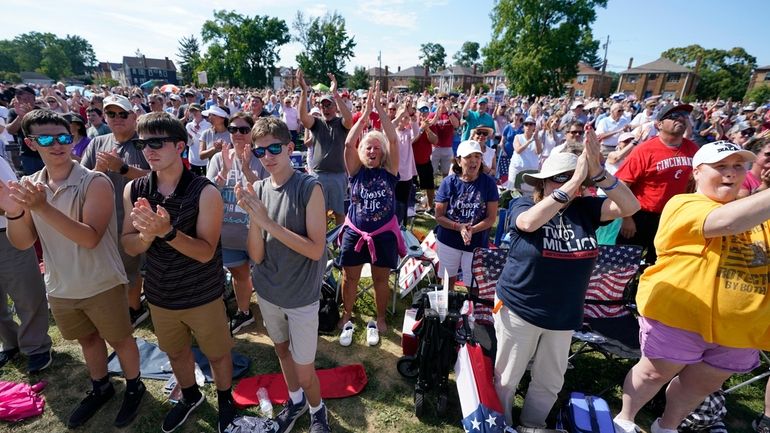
444	129
422	148
751	182
374	119
656	172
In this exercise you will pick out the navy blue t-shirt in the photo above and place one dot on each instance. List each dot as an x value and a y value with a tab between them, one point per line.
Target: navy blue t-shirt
546	274
372	198
466	203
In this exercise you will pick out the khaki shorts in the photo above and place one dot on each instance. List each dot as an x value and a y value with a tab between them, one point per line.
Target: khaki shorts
208	323
298	326
105	313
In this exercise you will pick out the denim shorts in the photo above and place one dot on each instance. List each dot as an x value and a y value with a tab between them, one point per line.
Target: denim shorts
659	341
234	258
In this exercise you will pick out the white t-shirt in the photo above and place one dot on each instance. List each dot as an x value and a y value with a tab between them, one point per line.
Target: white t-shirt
290	117
194	131
5	136
608	125
6	175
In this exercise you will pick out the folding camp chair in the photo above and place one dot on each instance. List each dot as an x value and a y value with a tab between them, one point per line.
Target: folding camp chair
610	324
486	269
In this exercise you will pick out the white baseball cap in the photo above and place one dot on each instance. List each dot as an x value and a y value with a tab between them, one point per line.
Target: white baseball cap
714	152
217	111
468	147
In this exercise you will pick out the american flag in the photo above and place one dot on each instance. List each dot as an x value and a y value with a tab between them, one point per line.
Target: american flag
615	267
487	265
480	406
416	268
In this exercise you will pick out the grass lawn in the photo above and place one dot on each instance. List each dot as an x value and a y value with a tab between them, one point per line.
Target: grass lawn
384	406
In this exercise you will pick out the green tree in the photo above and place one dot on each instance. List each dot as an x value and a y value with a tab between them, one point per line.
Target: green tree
327	46
359	79
414	85
759	94
54	63
242	50
81	55
8	57
433	56
468	54
493	55
723	74
540	41
590	47
189	55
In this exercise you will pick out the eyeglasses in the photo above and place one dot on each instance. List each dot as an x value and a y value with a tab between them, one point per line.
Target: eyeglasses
51	101
47	140
239	129
561	178
391	108
575	132
274	149
112	114
152	143
676	115
482	133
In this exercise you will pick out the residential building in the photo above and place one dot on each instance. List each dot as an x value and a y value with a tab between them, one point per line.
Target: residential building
36	78
405	77
377	73
660	77
111	71
760	77
141	69
456	78
496	79
590	83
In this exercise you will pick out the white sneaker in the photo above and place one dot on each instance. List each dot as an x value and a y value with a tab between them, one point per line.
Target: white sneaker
656	428
372	333
625	426
346	337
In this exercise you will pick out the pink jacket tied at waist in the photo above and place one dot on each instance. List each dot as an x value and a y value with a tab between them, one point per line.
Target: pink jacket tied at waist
391	226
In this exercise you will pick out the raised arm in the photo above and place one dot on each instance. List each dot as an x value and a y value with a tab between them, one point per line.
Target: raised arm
468	101
390	133
304	117
352	160
347	117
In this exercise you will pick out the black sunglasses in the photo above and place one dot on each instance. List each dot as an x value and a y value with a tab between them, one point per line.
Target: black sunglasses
676	115
747	132
112	114
326	104
576	132
152	143
561	178
482	133
442	98
274	149
48	140
239	129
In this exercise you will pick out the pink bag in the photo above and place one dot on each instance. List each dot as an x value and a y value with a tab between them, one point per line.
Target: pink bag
19	401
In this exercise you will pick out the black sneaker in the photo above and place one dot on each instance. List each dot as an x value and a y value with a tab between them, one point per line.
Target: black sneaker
138	316
39	362
289	415
7	356
761	424
130	407
241	320
226	416
89	406
319	423
179	413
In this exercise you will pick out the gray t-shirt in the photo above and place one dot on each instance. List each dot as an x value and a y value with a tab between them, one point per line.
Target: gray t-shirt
234	227
209	136
286	278
328	146
127	152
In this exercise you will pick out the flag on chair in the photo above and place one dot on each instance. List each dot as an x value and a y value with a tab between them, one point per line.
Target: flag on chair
614	268
482	411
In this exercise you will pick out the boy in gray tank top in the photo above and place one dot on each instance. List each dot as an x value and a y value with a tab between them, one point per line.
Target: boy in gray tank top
287	242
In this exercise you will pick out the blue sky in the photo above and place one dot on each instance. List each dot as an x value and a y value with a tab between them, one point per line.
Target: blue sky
396	27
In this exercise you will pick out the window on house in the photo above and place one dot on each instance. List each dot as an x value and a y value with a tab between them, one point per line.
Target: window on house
673	78
579	93
632	78
652	77
582	79
668	95
767	77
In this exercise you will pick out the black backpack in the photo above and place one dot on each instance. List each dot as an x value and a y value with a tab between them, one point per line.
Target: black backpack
328	310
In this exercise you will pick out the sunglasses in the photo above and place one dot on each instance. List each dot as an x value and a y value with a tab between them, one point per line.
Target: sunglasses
424	109
112	114
561	178
152	143
239	129
748	132
47	140
274	149
529	124
483	133
326	104
576	132
676	115
442	98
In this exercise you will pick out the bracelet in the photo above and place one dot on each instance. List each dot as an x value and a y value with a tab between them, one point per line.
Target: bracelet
599	177
613	186
16	217
560	196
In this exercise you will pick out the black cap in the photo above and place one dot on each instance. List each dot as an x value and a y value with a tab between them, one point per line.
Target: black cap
670	108
24	88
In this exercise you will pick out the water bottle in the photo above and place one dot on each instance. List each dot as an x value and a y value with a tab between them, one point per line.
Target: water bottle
265	406
200	379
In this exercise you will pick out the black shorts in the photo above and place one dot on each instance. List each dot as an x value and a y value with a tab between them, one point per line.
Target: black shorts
385	246
425	174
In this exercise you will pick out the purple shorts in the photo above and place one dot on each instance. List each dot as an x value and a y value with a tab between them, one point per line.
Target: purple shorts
676	345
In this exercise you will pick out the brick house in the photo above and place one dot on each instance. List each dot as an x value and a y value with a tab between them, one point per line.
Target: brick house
495	79
590	83
141	69
760	76
456	78
377	73
404	77
661	77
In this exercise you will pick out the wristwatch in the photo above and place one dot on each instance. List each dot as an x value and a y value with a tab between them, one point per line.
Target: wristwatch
170	236
123	169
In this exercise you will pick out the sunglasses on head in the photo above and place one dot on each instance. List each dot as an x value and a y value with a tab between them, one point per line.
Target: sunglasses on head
112	114
152	143
47	140
561	178
274	149
239	129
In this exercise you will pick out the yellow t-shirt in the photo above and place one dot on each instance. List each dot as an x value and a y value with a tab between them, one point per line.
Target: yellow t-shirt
715	287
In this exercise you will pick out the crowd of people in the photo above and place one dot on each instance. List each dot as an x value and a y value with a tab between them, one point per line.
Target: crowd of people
163	192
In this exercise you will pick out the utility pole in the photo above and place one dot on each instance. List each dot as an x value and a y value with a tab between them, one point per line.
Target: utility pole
606	46
379	69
